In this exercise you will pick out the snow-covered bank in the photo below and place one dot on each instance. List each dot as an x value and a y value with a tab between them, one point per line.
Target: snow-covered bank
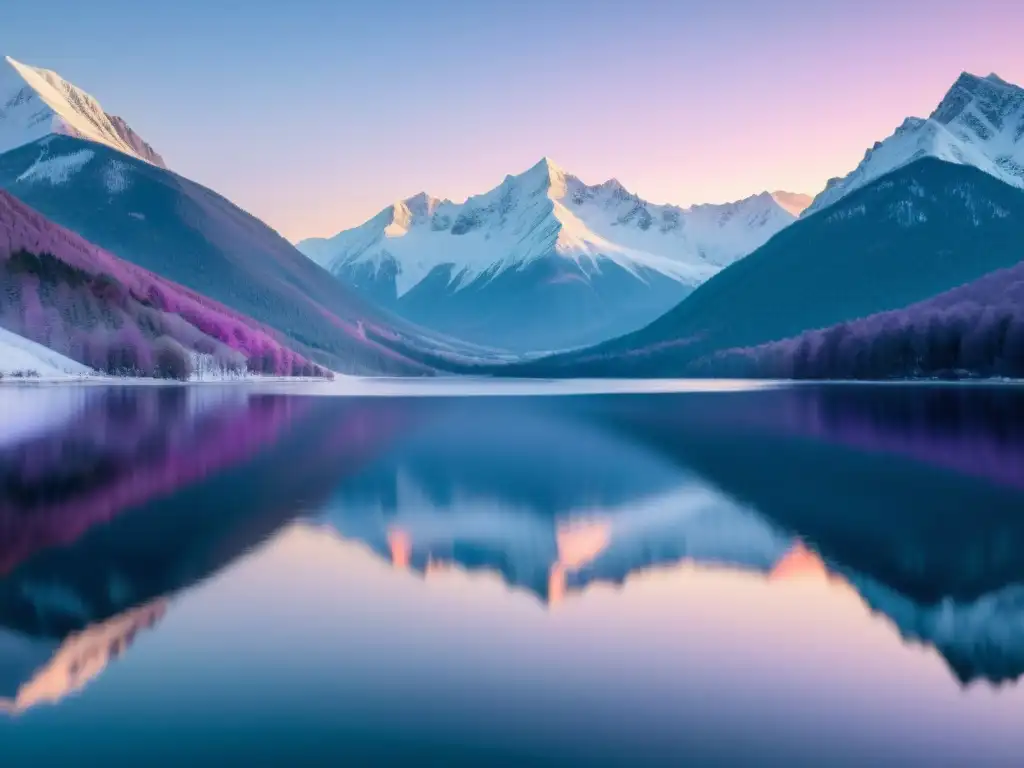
353	386
21	358
25	361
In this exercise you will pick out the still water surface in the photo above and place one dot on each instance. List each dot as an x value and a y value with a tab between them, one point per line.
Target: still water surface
796	576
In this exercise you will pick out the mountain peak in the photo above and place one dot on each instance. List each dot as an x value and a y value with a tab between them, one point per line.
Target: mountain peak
38	102
994	96
546	165
545	213
421	204
544	176
979	122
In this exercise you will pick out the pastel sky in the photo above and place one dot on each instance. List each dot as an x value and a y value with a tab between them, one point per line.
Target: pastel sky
315	114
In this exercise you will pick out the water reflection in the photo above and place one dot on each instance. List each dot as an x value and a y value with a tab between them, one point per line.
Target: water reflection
135	495
116	507
546	496
78	659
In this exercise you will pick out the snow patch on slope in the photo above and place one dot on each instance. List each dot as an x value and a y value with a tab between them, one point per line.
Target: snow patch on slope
35	103
980	122
546	211
19	357
116	177
57	170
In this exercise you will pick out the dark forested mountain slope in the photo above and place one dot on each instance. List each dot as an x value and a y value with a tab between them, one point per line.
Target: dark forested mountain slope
920	231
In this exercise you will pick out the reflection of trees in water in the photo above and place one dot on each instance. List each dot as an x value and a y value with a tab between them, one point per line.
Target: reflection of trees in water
974	431
913	494
930	543
194	488
125	447
969	429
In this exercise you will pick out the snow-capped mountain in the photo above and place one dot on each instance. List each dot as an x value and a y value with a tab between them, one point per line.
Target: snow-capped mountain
85	170
899	240
600	259
980	122
37	102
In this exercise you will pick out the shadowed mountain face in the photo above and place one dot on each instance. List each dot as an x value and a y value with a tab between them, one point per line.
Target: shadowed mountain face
579	307
594	261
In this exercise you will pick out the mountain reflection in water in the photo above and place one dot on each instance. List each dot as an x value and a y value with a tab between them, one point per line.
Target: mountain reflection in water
119	507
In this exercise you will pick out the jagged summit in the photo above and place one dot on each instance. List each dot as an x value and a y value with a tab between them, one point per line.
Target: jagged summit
35	103
421	203
992	97
544	167
979	122
599	259
546	210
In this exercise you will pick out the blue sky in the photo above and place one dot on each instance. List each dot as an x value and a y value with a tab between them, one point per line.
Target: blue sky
314	115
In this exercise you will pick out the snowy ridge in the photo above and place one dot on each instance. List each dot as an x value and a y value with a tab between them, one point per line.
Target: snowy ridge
546	211
980	122
35	103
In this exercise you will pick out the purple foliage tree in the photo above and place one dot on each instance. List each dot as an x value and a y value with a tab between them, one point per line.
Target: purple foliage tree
61	291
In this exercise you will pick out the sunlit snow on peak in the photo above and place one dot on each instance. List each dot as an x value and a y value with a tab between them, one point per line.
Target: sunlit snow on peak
35	103
546	211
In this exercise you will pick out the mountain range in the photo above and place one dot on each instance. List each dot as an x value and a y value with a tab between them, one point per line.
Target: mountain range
545	275
599	259
88	171
917	218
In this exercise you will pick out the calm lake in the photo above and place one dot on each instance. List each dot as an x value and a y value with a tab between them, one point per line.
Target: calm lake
811	575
